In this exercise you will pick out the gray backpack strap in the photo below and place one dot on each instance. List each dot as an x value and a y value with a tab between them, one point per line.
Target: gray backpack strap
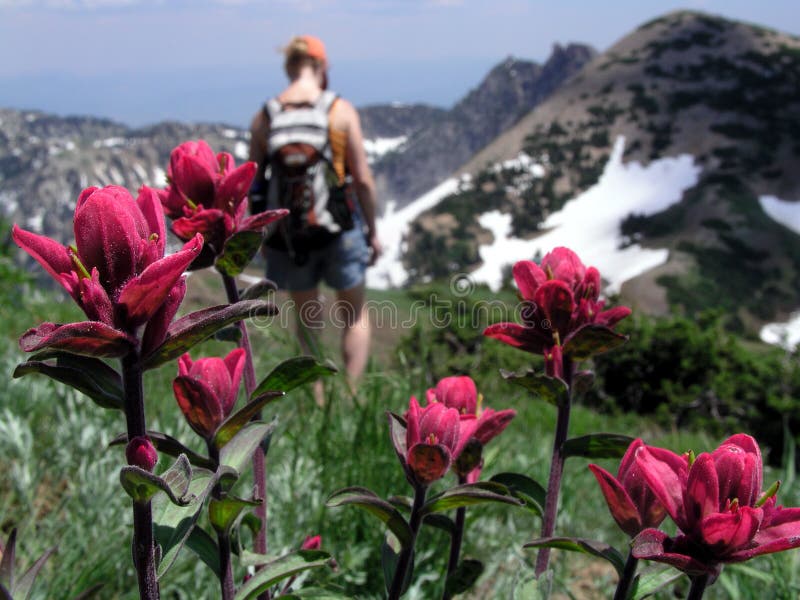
326	100
273	108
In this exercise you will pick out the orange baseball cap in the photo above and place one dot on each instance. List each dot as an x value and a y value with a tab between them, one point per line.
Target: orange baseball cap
316	49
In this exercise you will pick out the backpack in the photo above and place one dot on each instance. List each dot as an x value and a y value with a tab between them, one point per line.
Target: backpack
300	177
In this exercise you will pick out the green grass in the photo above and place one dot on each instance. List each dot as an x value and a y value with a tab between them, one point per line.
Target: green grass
61	484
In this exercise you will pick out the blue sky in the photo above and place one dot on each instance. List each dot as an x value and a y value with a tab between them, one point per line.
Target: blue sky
142	61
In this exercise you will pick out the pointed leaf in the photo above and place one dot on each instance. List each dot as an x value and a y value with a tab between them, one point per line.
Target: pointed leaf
592	547
598	445
549	389
234	423
369	501
438	521
277	570
294	372
469	494
390	553
195	327
238	451
169	445
316	593
87	338
204	546
142	485
222	513
22	587
173	524
88	375
464	576
526	489
591	340
259	290
7	561
238	251
649	582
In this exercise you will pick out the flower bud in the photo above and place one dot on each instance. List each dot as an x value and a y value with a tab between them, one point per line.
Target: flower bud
141	453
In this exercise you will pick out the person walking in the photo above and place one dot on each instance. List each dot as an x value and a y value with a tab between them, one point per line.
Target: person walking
343	239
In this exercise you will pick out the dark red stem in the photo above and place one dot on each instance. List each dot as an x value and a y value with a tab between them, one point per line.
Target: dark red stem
556	471
455	541
144	554
404	560
259	459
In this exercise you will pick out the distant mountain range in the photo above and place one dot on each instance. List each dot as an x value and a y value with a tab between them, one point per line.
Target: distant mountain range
717	95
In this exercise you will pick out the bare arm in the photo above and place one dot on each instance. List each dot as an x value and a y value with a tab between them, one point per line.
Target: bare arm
361	173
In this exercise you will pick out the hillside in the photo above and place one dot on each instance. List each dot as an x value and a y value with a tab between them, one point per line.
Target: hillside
509	91
720	93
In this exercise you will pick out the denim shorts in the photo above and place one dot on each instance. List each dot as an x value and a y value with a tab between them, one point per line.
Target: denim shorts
342	264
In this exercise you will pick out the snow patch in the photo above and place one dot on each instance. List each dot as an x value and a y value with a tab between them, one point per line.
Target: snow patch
112	142
392	228
786	335
589	224
378	147
231	134
241	151
159	177
785	212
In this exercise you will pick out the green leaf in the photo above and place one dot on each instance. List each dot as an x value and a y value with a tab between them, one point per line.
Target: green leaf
390	553
238	451
468	495
524	488
7	560
231	333
648	583
259	290
316	593
597	445
591	340
464	576
294	372
283	567
169	445
88	375
591	547
238	251
195	327
173	524
142	485
438	521
222	513
549	389
22	586
234	423
204	546
369	501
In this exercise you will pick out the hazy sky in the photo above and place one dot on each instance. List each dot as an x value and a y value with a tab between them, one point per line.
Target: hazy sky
141	61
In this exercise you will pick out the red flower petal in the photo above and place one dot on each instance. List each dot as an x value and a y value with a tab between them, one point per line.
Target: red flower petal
142	296
529	276
529	339
619	502
428	462
198	404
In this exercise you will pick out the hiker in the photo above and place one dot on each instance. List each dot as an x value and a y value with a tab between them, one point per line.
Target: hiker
309	147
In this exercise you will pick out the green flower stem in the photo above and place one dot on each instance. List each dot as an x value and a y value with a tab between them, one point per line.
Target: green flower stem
144	553
556	471
624	585
259	459
455	541
404	560
698	588
227	586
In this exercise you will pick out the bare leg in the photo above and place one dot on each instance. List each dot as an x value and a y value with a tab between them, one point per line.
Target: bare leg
355	331
309	324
